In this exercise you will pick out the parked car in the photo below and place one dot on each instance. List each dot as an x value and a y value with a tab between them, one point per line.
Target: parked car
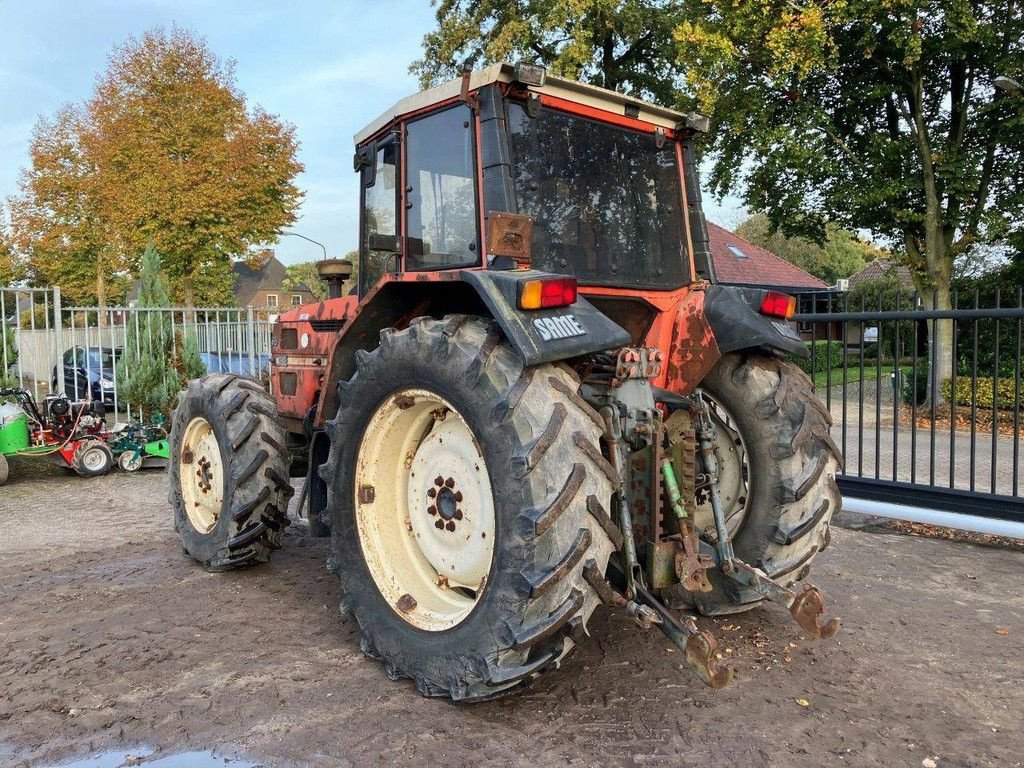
89	372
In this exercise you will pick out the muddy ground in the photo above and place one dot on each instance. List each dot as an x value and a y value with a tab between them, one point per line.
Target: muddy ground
111	639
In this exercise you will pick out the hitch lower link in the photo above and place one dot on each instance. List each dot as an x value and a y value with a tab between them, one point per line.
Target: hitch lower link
807	606
648	611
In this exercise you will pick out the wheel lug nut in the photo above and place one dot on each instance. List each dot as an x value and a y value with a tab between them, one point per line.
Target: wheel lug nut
431	492
450	525
458	495
431	510
439	524
438	481
458	514
449	483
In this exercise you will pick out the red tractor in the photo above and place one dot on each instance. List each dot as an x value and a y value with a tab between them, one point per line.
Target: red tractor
535	399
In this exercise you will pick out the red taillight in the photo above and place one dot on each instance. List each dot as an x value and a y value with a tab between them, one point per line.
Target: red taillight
548	292
778	305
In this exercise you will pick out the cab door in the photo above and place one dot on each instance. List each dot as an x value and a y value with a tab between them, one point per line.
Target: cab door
442	220
379	241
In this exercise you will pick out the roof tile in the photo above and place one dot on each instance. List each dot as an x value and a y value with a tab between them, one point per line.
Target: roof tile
740	262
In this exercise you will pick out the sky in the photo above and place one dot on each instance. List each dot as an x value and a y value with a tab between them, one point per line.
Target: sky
328	68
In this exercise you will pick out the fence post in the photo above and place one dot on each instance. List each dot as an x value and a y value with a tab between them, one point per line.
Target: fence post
250	333
58	339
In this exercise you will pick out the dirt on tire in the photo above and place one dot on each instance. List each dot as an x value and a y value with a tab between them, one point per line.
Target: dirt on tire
540	447
250	468
112	639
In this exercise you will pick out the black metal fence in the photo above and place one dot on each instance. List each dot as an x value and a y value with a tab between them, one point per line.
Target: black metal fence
917	426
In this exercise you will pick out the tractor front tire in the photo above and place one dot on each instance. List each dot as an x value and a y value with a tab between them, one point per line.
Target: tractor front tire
468	496
228	472
791	463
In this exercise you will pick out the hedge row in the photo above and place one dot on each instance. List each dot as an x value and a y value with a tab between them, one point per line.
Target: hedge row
1005	388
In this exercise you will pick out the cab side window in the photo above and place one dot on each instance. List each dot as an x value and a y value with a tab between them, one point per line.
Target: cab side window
441	215
380	219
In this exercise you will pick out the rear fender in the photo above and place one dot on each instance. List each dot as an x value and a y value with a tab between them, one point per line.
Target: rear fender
719	319
537	336
545	335
736	320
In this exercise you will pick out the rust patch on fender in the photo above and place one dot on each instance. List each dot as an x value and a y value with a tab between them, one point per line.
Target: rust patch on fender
693	350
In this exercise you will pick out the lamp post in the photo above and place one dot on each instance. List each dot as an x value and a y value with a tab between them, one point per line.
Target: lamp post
307	239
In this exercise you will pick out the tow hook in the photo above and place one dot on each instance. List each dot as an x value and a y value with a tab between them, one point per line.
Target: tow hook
806	606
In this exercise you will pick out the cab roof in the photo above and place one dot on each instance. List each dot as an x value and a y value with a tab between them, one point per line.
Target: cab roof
570	90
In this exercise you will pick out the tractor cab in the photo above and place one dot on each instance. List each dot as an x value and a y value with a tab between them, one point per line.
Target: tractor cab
510	175
594	184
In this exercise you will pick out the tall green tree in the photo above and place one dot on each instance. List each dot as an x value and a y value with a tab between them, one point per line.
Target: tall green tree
624	46
876	115
156	360
880	115
166	151
839	256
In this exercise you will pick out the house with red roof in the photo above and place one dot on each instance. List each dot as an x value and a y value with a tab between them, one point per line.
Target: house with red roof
740	262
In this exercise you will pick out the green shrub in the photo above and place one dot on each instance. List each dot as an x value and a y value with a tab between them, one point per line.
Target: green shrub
824	355
1005	388
915	384
157	360
8	350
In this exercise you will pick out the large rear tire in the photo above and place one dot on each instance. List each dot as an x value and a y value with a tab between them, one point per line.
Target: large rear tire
467	494
228	472
782	516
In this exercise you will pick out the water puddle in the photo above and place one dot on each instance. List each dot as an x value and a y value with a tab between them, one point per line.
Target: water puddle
148	759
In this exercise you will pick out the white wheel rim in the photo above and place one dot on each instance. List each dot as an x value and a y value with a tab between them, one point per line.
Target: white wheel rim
733	473
130	461
93	459
424	509
201	475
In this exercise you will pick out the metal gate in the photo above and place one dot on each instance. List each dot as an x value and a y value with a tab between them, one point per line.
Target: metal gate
876	372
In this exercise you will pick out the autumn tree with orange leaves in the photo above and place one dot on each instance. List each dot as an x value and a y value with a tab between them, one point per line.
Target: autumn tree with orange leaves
166	153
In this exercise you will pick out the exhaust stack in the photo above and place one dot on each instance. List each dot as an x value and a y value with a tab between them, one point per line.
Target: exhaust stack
334	272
